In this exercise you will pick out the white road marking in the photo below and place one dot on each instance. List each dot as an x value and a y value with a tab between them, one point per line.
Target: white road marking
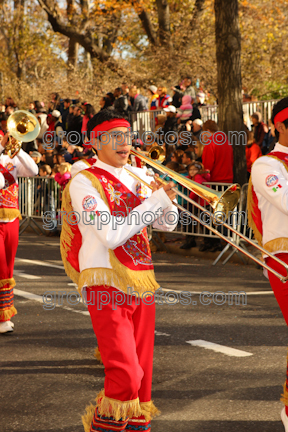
39	299
46	264
205	290
161	334
232	352
40	263
24	275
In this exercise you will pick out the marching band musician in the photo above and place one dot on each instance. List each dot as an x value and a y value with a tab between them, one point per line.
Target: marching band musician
10	169
113	260
268	213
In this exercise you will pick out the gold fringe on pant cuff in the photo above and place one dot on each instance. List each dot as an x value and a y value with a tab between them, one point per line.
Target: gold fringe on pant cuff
149	410
117	409
88	417
97	355
10	281
7	314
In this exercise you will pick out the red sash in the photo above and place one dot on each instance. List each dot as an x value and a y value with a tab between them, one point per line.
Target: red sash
9	206
254	213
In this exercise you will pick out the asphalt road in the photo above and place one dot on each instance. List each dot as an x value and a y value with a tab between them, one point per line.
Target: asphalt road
49	374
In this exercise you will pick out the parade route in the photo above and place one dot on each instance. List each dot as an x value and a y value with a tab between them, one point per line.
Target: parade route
49	374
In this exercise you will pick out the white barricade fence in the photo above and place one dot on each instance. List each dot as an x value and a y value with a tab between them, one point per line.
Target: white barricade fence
37	196
144	121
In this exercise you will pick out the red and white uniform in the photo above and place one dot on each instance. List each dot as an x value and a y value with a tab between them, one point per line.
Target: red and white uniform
108	259
268	216
10	169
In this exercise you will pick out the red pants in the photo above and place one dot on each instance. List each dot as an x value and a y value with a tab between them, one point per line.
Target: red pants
126	341
9	237
280	289
281	293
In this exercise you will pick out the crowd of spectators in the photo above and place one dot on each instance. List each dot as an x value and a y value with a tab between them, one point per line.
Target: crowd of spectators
178	112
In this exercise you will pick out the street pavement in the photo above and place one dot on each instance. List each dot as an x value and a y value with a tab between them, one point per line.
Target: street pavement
234	383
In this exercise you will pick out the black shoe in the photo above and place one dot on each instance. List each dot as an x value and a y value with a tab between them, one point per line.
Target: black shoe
189	244
205	247
216	248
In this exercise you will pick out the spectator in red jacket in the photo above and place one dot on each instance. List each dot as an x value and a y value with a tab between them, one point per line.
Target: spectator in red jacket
253	152
217	155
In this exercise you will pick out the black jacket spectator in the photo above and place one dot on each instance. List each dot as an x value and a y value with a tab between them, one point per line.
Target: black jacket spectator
121	105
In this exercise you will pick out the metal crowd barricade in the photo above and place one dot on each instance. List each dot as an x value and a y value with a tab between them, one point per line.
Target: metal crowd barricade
37	196
143	121
237	219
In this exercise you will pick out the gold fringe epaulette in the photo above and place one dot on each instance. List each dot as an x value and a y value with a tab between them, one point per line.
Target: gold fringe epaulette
251	223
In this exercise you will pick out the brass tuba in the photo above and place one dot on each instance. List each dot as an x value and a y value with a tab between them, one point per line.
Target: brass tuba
23	127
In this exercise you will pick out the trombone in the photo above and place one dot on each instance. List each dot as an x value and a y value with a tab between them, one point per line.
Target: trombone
221	203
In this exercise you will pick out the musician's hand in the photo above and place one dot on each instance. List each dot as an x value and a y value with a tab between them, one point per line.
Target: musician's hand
5	140
168	189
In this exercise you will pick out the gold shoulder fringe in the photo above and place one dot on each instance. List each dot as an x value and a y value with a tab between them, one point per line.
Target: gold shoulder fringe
10	281
97	355
66	237
284	396
251	222
149	410
10	214
277	245
7	314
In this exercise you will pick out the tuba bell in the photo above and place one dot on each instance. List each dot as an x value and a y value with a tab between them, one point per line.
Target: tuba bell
23	127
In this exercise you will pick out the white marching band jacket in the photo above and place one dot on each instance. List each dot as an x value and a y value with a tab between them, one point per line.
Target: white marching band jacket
270	182
96	241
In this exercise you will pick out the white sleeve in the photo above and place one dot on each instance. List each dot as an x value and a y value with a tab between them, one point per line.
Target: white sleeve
77	167
168	221
2	181
25	165
110	230
270	179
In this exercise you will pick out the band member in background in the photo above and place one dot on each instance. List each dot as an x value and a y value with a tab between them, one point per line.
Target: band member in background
112	260
268	213
21	165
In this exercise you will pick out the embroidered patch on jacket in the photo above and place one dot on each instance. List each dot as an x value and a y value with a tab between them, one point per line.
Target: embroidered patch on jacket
89	203
271	180
9	166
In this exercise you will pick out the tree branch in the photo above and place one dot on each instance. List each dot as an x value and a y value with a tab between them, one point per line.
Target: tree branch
146	23
197	12
85	40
